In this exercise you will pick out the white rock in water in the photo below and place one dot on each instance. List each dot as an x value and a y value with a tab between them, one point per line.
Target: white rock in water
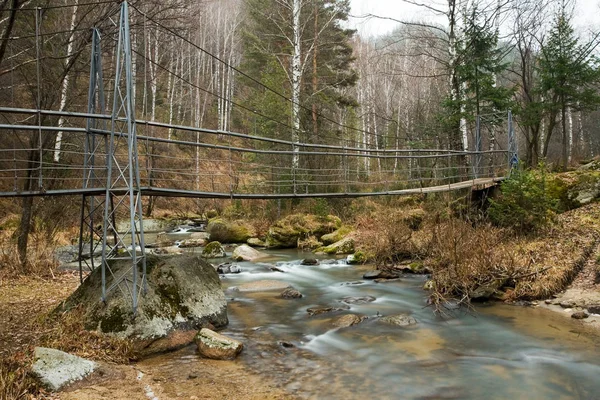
246	253
55	369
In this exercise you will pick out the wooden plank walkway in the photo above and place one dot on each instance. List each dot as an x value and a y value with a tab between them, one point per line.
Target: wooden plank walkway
479	183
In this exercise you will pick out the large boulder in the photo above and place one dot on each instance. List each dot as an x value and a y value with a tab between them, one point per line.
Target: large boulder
183	293
344	246
246	253
225	231
336	236
54	368
213	250
286	232
216	346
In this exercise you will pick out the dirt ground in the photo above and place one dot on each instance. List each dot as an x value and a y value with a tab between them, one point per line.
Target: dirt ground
25	301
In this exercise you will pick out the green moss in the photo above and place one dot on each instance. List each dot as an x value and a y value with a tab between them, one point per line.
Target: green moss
113	322
212	249
336	235
286	232
344	246
229	231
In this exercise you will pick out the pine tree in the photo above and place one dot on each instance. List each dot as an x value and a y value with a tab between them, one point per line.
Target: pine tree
568	76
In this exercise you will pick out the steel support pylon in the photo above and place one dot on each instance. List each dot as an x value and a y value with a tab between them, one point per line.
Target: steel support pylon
513	144
94	164
123	196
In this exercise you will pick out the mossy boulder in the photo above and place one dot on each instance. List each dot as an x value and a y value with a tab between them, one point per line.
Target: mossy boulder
359	257
213	250
183	295
286	232
225	231
573	189
344	246
336	235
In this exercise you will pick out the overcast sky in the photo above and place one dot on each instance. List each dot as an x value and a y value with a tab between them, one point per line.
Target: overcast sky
587	14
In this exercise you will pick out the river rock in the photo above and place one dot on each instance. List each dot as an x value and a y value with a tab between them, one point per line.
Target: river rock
256	242
358	300
171	250
344	246
54	369
290	293
594	309
213	250
347	320
579	315
286	232
310	261
312	311
192	243
380	275
183	293
336	235
200	235
246	253
225	231
216	346
228	268
261	286
357	258
398	320
162	243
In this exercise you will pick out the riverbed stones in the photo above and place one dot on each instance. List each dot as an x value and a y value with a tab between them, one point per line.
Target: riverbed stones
54	368
286	232
594	309
213	250
348	320
183	293
579	315
310	261
170	250
265	285
318	310
358	300
402	320
216	346
187	243
228	268
290	293
377	274
246	253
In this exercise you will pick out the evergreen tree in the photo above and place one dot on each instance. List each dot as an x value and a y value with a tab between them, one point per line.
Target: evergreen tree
568	77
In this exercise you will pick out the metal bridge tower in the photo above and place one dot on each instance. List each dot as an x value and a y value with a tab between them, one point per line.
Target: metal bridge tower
122	198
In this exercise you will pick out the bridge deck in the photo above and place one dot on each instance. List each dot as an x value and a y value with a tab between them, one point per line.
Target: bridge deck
162	192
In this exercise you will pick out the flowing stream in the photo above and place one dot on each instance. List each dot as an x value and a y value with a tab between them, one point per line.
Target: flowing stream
497	352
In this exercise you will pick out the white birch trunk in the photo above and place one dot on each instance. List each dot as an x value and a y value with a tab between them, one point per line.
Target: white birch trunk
296	76
65	85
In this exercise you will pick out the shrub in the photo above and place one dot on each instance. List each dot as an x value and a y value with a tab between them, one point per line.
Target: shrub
524	203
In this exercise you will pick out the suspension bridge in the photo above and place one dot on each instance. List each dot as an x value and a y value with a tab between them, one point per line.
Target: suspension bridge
112	159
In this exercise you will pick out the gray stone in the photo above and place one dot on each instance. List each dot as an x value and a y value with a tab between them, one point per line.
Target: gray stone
358	300
380	275
348	320
216	346
187	243
246	253
228	268
167	250
310	261
54	369
183	294
579	315
398	320
312	311
290	293
594	309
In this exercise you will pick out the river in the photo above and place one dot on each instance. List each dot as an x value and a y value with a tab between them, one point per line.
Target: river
495	352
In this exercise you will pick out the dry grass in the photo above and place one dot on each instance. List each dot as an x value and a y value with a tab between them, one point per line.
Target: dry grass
26	321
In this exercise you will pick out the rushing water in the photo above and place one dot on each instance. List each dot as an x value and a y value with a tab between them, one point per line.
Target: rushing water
498	352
